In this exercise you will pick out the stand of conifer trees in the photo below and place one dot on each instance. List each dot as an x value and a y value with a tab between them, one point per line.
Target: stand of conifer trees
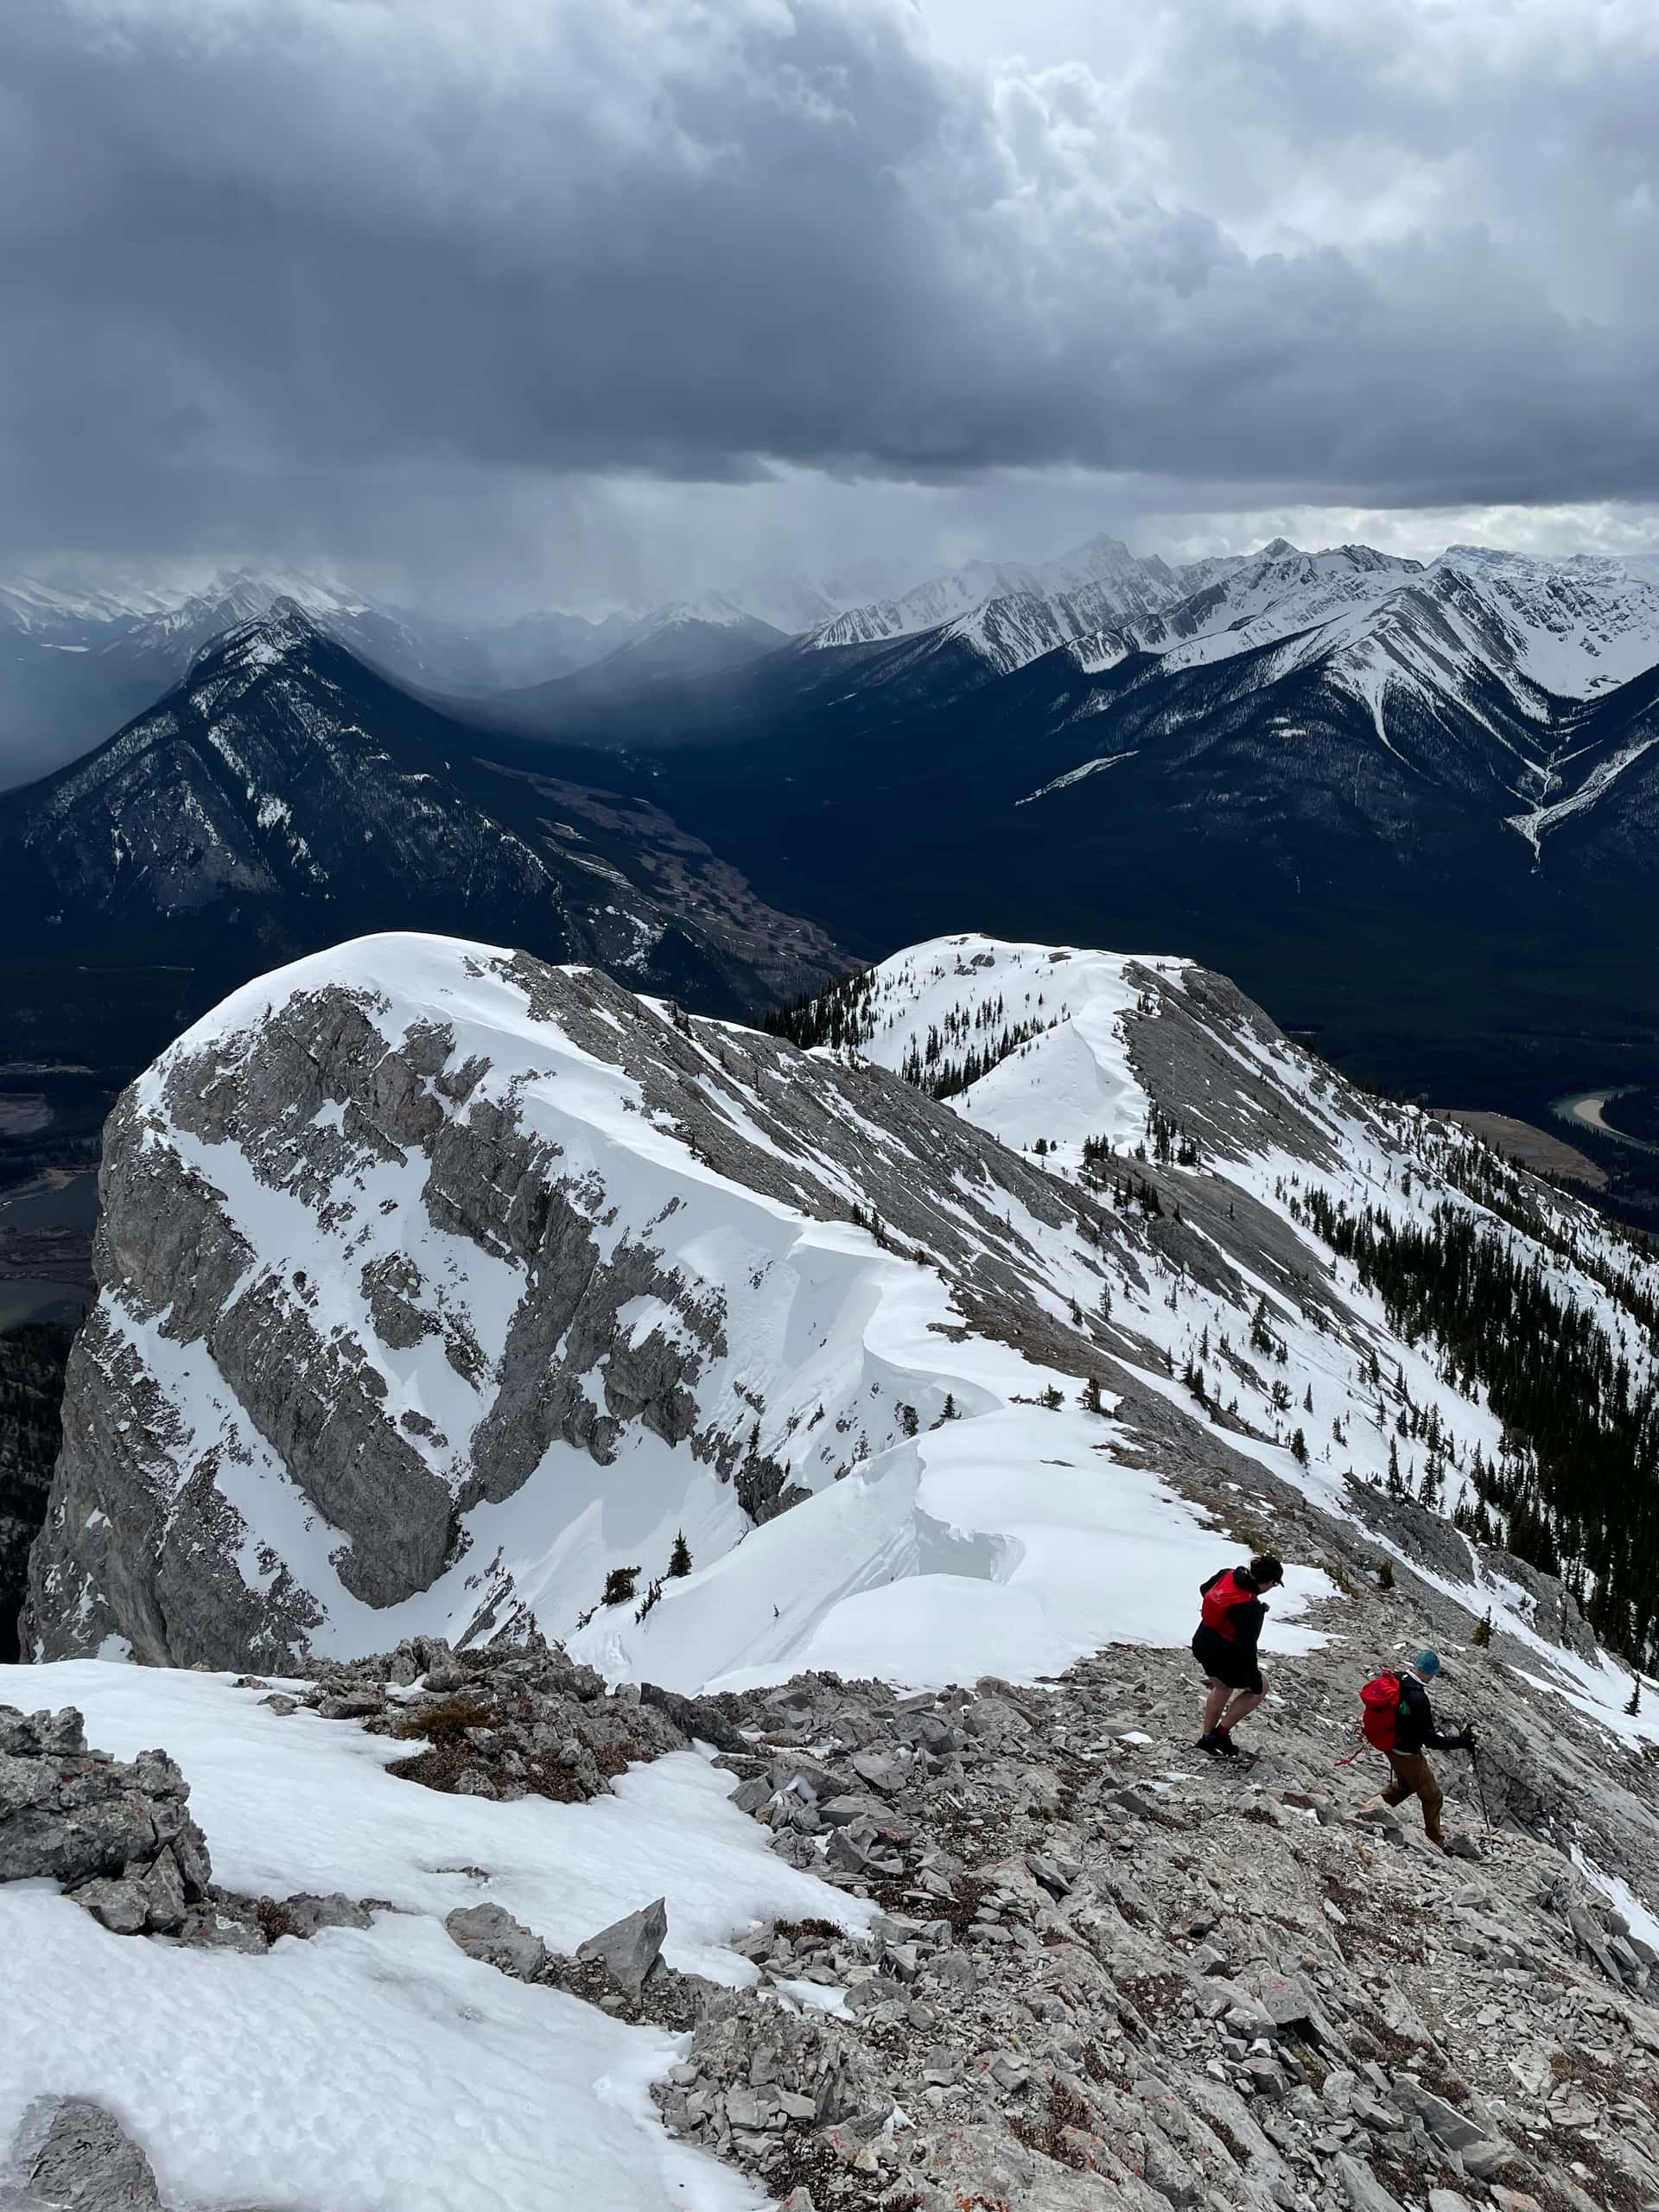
1575	1486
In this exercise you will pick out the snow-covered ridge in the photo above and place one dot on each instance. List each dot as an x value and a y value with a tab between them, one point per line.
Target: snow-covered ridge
1039	606
752	1333
442	1285
566	1275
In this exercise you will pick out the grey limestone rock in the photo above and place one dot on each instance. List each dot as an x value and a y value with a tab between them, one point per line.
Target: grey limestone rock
116	1834
307	1914
120	1906
489	1933
1483	2157
1365	2193
629	1948
86	2162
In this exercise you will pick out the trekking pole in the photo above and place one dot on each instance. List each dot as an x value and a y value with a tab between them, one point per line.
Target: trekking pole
1480	1789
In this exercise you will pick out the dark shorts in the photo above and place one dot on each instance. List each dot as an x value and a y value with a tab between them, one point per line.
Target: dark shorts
1225	1662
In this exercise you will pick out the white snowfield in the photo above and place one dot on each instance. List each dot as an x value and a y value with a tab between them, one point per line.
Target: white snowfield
381	2070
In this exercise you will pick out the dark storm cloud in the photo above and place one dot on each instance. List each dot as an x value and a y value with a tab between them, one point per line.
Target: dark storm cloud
328	263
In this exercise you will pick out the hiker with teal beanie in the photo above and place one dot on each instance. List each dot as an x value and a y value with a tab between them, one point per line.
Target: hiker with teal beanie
1400	1721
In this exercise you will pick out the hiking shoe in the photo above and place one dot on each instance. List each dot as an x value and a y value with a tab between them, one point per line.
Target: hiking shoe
1225	1745
1211	1741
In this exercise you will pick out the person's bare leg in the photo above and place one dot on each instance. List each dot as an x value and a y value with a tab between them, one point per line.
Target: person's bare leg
1214	1704
1244	1703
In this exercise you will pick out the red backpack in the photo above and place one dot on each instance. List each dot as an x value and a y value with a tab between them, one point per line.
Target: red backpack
1223	1593
1380	1699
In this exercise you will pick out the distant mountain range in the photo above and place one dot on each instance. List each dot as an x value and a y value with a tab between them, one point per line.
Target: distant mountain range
285	795
1414	804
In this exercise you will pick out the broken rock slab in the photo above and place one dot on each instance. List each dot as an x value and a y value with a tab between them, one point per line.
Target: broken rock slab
491	1934
629	1949
307	1914
1365	2192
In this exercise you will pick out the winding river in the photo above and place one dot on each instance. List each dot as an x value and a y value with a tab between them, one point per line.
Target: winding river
1584	1110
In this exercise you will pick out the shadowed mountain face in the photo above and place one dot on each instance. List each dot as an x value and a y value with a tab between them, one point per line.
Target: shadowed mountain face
284	796
76	663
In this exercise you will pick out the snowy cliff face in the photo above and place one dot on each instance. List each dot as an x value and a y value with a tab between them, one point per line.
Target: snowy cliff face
439	1284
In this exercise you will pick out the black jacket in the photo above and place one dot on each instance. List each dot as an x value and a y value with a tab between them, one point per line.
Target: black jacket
1415	1730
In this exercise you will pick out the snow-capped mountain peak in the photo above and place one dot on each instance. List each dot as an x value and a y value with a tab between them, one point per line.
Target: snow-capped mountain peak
715	608
1007	615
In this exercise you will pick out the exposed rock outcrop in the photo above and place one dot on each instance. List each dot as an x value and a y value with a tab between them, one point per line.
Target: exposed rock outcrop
117	1837
1109	1974
84	2161
116	1834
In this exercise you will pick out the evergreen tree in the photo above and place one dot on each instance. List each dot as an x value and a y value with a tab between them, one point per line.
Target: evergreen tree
1482	1632
679	1559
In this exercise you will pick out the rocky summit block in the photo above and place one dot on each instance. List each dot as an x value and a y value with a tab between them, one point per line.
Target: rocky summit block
116	1833
117	1836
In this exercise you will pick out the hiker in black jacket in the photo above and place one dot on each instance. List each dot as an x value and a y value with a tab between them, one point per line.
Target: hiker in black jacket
1225	1646
1415	1732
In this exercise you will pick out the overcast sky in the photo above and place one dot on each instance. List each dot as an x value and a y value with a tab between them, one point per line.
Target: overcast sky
508	301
